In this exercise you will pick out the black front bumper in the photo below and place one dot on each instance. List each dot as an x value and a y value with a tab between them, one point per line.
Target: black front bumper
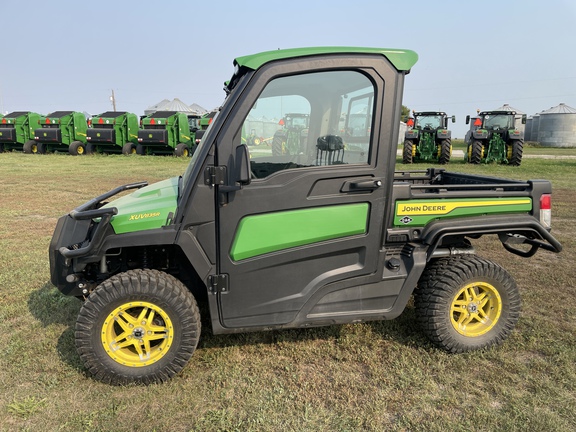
77	239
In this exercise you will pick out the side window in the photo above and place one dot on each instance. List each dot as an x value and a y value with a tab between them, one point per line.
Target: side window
307	120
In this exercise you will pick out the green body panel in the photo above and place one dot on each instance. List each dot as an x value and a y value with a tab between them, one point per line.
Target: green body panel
422	212
403	60
24	124
271	232
125	127
73	127
147	208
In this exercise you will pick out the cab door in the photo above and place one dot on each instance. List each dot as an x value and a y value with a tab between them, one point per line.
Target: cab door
310	222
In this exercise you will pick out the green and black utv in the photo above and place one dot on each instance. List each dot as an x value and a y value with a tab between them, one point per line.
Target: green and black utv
328	234
494	137
428	138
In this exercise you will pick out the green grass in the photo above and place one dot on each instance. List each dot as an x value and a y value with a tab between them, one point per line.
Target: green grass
375	376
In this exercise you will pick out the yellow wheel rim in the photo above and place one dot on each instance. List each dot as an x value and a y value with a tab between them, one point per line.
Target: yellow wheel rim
34	148
137	334
80	150
476	309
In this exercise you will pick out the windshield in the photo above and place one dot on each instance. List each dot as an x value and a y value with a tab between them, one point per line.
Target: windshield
429	121
499	121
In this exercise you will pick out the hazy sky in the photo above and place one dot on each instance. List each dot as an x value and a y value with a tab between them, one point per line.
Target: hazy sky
69	55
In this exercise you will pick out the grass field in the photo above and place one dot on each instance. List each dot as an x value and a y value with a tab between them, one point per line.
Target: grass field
375	376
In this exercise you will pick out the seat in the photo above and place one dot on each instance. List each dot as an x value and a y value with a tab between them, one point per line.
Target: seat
329	150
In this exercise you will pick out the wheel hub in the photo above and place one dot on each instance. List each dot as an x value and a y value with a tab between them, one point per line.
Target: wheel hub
475	309
137	334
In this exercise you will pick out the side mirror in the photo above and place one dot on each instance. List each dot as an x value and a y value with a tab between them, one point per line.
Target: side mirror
524	119
467	119
453	119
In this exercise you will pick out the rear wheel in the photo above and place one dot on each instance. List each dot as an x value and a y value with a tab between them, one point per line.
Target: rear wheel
129	148
278	144
140	150
515	150
76	148
182	150
445	151
466	303
141	326
408	152
476	152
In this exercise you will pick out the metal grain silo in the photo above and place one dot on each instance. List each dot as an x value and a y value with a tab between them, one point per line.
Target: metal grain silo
557	127
528	129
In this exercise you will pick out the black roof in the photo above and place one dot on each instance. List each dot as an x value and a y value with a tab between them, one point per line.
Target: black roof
16	114
58	114
111	114
498	113
428	113
163	114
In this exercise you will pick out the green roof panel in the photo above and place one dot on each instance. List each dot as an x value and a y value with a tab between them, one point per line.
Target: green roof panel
402	59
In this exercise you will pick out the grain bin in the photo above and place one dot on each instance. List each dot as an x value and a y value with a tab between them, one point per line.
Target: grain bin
557	127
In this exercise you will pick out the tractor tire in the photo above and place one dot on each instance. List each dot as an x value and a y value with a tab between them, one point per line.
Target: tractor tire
515	150
129	149
182	150
278	145
76	148
408	152
476	152
466	303
141	326
141	150
445	151
91	149
31	147
1	148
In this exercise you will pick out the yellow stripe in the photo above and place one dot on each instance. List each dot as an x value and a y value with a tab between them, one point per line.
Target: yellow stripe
444	207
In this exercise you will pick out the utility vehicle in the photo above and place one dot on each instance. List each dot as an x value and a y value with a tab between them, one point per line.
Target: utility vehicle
327	235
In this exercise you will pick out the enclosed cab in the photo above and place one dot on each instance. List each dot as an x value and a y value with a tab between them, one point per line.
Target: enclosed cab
62	131
17	131
428	138
112	132
165	132
494	137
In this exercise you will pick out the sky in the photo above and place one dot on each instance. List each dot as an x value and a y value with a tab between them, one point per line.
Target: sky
70	55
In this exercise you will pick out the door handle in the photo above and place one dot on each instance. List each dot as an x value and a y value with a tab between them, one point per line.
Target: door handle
365	185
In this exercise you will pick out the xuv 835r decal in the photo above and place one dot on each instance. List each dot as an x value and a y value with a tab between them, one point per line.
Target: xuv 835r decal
271	232
420	212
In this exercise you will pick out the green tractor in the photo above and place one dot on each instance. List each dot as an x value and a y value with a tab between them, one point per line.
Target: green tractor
165	132
294	132
428	139
17	131
493	137
62	131
112	132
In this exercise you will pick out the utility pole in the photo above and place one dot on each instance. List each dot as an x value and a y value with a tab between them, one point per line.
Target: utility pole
113	100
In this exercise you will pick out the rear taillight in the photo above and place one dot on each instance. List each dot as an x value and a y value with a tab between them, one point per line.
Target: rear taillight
546	210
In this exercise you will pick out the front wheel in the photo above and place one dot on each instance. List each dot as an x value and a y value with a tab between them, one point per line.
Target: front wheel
30	147
76	148
141	326
466	303
182	150
476	152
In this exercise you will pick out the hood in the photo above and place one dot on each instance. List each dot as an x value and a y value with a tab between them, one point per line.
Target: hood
146	208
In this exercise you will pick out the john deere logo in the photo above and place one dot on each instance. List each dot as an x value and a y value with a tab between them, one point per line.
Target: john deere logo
0	133
98	134
45	134
149	135
406	220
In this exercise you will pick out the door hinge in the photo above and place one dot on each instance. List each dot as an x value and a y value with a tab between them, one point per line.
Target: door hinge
215	175
219	283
